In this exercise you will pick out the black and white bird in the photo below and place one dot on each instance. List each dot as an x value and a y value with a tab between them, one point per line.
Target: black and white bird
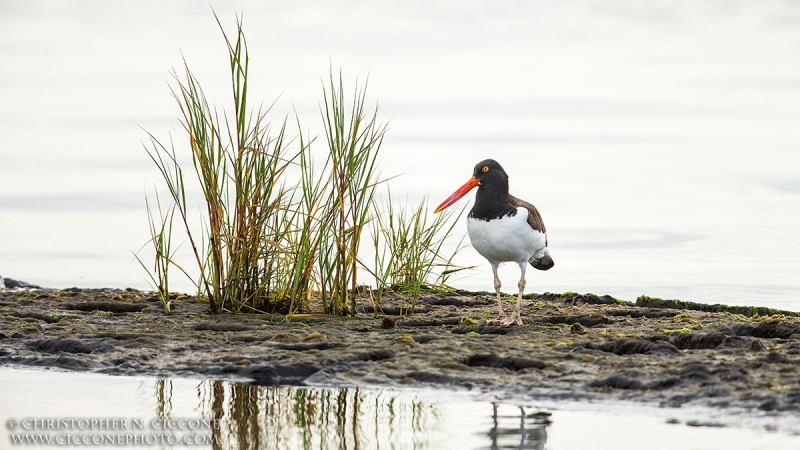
503	228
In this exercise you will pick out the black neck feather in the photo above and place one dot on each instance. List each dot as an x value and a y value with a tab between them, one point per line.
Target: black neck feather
493	201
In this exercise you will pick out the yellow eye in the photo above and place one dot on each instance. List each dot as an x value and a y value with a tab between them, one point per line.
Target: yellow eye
485	169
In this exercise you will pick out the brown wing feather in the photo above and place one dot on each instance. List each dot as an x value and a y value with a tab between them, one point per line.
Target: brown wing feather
536	222
534	218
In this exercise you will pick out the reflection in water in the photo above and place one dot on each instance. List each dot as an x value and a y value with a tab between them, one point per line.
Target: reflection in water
163	393
285	417
267	417
259	417
523	431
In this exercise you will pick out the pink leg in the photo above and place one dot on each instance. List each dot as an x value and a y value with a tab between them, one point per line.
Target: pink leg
516	318
501	315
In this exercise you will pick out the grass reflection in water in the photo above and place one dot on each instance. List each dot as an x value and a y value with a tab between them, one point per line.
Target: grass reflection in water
261	417
270	417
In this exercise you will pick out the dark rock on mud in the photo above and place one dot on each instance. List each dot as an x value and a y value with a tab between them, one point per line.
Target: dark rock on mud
273	375
627	346
483	329
573	298
666	352
11	283
113	307
221	327
585	320
617	381
747	311
493	360
686	341
767	329
650	313
58	345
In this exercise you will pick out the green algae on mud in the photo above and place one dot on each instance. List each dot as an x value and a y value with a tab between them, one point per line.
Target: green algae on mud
581	346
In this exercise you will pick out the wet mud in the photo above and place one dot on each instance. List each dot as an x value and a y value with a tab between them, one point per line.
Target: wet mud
574	346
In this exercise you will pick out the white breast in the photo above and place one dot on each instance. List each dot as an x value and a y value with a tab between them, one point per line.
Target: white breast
509	238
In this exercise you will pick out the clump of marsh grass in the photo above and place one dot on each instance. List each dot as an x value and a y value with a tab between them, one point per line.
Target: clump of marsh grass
409	249
250	240
278	231
308	209
161	240
354	139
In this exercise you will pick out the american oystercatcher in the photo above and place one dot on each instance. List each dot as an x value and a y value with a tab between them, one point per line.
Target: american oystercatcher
503	228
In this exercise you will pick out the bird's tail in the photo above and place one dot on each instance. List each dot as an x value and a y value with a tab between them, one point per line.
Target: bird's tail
545	262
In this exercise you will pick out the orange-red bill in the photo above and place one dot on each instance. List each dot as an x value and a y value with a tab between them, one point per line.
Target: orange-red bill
462	191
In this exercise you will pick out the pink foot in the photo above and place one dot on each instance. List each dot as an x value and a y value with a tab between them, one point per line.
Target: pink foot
513	319
500	319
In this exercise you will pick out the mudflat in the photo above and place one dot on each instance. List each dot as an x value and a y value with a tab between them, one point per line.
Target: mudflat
667	352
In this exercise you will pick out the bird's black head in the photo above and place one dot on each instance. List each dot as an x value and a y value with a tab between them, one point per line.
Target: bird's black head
491	175
492	197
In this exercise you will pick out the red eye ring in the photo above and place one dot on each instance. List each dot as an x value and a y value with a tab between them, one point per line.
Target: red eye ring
485	169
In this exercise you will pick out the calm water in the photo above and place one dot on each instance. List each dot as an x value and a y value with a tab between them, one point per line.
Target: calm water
660	140
250	417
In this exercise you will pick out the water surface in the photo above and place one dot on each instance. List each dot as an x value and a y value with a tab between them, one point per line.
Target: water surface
257	417
659	140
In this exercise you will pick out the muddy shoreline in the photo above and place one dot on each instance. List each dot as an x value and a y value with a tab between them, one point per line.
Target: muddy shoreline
572	346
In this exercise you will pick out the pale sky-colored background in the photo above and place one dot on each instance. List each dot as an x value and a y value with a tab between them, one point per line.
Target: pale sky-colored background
660	140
